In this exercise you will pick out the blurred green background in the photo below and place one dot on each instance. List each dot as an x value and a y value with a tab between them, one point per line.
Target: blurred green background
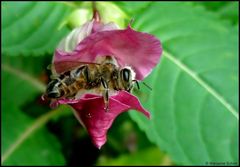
194	101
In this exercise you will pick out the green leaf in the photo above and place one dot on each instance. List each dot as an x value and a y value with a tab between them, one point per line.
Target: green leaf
31	65
24	140
226	10
194	102
132	7
230	12
150	156
32	28
212	5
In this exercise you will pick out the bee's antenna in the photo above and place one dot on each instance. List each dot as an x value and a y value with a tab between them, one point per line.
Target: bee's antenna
136	83
147	86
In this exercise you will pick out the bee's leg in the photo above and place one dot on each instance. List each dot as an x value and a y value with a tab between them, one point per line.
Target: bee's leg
106	100
85	72
105	94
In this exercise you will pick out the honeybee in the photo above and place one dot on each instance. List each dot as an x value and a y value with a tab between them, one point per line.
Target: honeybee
104	77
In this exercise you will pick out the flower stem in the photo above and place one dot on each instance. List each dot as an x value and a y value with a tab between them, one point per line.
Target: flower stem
24	76
37	124
96	15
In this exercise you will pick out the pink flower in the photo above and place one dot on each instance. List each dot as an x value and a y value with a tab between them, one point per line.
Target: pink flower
139	50
89	110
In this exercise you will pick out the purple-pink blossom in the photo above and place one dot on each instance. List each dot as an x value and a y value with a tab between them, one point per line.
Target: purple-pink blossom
89	110
139	50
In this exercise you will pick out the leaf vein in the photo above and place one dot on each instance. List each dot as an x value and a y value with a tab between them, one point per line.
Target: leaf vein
20	17
209	89
37	84
200	128
174	116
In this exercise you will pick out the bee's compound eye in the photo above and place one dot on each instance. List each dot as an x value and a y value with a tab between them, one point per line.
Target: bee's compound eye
125	73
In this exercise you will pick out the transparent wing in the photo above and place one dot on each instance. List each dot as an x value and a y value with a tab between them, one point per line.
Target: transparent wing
64	66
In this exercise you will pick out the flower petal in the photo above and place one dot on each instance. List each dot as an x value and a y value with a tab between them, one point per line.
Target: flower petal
97	27
69	43
131	100
139	50
89	110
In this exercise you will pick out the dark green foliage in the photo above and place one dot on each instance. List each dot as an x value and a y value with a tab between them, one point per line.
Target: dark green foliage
193	104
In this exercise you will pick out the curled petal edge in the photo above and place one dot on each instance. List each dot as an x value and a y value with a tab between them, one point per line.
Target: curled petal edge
89	111
139	50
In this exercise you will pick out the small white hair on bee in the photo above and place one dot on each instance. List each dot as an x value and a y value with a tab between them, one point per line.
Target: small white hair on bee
133	74
106	59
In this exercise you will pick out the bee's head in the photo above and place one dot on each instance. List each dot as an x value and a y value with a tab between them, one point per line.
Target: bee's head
127	75
53	90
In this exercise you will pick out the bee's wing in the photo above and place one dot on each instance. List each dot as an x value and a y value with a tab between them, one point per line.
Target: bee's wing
64	66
